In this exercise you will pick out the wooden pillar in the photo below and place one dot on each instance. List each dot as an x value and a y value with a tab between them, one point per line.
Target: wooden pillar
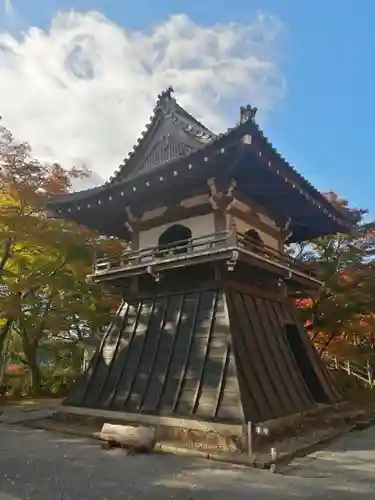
285	233
221	200
133	225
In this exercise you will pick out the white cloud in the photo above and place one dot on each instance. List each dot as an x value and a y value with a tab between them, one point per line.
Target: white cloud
83	90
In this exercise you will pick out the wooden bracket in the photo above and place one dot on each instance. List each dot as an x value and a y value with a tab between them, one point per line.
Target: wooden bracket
232	261
156	275
286	233
221	200
133	220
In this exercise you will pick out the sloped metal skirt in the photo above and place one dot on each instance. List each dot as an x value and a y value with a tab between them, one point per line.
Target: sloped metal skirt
213	355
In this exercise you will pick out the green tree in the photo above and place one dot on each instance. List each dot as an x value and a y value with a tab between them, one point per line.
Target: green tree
340	315
44	260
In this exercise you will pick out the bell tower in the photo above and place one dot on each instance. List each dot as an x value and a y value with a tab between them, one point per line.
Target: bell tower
207	330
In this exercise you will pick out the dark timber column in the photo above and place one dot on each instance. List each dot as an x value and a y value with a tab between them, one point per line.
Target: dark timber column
133	224
221	199
285	233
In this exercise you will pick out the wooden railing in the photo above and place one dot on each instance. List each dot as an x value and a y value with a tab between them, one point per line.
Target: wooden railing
363	372
199	246
183	248
272	254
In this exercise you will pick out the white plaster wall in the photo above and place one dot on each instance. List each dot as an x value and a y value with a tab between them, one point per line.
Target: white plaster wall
246	208
267	239
201	225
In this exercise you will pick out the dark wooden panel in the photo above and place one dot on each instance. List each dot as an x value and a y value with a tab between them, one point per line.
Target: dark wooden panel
298	383
154	338
108	354
275	359
303	352
291	400
164	354
81	388
134	355
254	400
219	365
180	353
210	354
195	355
330	386
147	356
258	342
204	348
124	340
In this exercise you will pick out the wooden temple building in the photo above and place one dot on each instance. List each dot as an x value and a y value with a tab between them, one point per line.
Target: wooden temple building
207	329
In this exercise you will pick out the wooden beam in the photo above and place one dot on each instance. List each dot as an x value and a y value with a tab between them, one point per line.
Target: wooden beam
199	425
174	214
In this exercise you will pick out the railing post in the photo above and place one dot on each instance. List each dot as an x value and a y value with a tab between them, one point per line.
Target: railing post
250	439
369	373
348	367
232	235
93	267
335	360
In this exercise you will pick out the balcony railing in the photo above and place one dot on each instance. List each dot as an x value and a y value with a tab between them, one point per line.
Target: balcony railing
271	254
177	249
195	247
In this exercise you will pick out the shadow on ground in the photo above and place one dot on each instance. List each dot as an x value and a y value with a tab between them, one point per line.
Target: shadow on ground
39	465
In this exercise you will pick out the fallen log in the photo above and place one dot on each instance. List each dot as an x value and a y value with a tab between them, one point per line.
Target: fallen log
132	439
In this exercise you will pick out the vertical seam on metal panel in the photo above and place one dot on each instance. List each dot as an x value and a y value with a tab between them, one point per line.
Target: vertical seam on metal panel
277	317
141	353
221	388
256	375
262	358
329	386
253	315
103	385
100	352
114	392
187	356
177	331
198	390
156	351
275	362
293	390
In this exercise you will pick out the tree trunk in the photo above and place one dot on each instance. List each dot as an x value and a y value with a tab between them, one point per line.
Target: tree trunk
35	375
30	348
77	358
4	330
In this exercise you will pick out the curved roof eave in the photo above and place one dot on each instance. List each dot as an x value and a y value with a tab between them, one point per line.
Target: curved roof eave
249	127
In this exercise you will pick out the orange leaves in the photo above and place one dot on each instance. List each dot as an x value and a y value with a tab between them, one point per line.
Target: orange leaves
45	260
341	316
305	303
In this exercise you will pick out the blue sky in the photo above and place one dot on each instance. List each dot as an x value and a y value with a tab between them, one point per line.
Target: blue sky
323	123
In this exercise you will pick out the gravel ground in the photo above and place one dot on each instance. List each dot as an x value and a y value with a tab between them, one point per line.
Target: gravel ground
41	465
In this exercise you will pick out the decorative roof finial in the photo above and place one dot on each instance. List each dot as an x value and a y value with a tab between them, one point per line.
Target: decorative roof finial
247	113
166	94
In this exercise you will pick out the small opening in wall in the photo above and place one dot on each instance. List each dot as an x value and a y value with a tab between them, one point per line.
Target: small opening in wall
175	239
253	238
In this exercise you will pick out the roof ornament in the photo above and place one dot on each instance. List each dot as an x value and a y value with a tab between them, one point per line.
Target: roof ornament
247	113
166	94
165	101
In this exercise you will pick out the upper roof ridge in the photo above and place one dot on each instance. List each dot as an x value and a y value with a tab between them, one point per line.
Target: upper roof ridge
167	106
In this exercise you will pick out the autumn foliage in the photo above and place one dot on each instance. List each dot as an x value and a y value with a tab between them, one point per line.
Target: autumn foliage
341	318
44	260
